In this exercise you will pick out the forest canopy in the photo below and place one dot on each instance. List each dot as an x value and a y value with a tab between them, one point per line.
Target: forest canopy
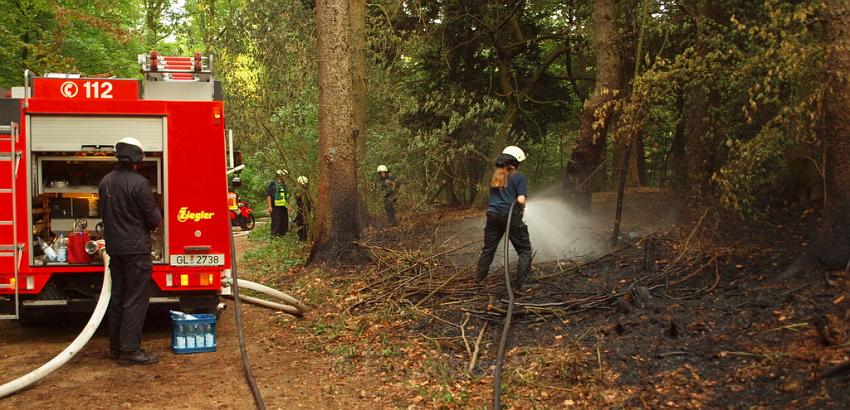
721	101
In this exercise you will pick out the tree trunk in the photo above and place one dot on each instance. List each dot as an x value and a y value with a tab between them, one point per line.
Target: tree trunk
834	232
679	160
588	150
636	174
501	140
336	212
357	10
702	139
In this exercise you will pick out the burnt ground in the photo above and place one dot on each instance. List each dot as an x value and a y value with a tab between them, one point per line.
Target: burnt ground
688	311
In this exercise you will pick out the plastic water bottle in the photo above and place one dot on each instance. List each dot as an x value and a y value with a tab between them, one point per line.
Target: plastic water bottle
199	336
181	337
62	251
190	337
209	336
49	253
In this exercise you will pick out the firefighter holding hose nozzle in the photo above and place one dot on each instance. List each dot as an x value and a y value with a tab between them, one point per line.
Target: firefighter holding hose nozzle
129	213
508	186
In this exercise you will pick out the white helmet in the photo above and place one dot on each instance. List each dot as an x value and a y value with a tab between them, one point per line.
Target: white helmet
302	180
382	168
515	152
129	149
130	141
281	172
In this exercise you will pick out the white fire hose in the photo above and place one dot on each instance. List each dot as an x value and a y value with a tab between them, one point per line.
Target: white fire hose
75	346
291	305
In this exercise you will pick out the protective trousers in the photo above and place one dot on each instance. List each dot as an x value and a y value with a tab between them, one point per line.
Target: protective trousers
389	206
280	220
301	223
128	305
493	232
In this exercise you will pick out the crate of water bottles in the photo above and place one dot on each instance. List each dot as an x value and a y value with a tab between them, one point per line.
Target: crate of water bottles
192	333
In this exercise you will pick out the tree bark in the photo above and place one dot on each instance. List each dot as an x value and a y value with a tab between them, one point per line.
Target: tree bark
834	232
337	225
357	15
636	174
679	159
589	148
702	139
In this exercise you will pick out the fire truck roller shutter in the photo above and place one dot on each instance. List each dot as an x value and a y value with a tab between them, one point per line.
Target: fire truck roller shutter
70	133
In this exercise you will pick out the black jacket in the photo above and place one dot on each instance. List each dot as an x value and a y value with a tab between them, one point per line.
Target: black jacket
129	212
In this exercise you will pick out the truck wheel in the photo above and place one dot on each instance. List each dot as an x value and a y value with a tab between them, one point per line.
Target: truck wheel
32	319
248	223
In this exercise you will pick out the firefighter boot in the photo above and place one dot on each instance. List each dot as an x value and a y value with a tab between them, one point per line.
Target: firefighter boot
138	357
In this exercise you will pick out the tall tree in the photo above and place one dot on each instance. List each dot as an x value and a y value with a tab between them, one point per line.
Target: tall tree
511	42
834	247
702	137
337	225
155	29
587	153
357	14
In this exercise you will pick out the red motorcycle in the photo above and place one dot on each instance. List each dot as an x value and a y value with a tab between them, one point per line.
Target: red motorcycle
241	214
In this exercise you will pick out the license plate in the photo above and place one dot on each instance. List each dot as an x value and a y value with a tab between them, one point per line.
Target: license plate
211	259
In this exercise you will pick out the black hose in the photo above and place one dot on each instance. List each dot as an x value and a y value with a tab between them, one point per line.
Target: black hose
500	356
249	375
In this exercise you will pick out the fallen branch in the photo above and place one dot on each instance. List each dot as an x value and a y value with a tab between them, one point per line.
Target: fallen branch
835	371
789	327
438	288
474	359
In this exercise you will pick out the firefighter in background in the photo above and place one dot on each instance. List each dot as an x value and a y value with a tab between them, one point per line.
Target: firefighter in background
389	184
508	186
129	213
277	199
305	207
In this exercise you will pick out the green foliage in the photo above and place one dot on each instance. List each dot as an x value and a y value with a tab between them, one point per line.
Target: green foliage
435	101
271	256
68	36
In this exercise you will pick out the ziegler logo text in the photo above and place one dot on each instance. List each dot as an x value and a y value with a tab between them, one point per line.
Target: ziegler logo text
184	215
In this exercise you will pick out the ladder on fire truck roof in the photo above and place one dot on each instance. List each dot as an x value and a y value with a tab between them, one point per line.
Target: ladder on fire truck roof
9	133
157	67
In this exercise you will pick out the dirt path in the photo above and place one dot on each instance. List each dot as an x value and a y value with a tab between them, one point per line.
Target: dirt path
289	374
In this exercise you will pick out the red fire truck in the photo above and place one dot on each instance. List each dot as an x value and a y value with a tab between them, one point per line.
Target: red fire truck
57	134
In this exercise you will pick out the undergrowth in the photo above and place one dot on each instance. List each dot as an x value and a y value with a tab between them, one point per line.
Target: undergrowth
268	256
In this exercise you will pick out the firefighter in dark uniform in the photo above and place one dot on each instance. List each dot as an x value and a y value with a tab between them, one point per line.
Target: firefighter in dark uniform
389	184
129	213
305	207
277	196
508	186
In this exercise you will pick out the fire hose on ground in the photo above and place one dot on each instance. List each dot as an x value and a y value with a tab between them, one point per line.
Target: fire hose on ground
75	346
293	307
500	355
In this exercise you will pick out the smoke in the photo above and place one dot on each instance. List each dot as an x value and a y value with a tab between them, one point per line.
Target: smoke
557	232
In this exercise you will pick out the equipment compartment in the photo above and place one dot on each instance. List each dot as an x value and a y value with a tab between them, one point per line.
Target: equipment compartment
64	205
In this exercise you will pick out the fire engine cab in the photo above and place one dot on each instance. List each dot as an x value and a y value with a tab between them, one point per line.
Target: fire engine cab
57	135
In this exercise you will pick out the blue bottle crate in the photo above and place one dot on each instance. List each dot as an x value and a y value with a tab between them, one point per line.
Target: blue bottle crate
201	330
